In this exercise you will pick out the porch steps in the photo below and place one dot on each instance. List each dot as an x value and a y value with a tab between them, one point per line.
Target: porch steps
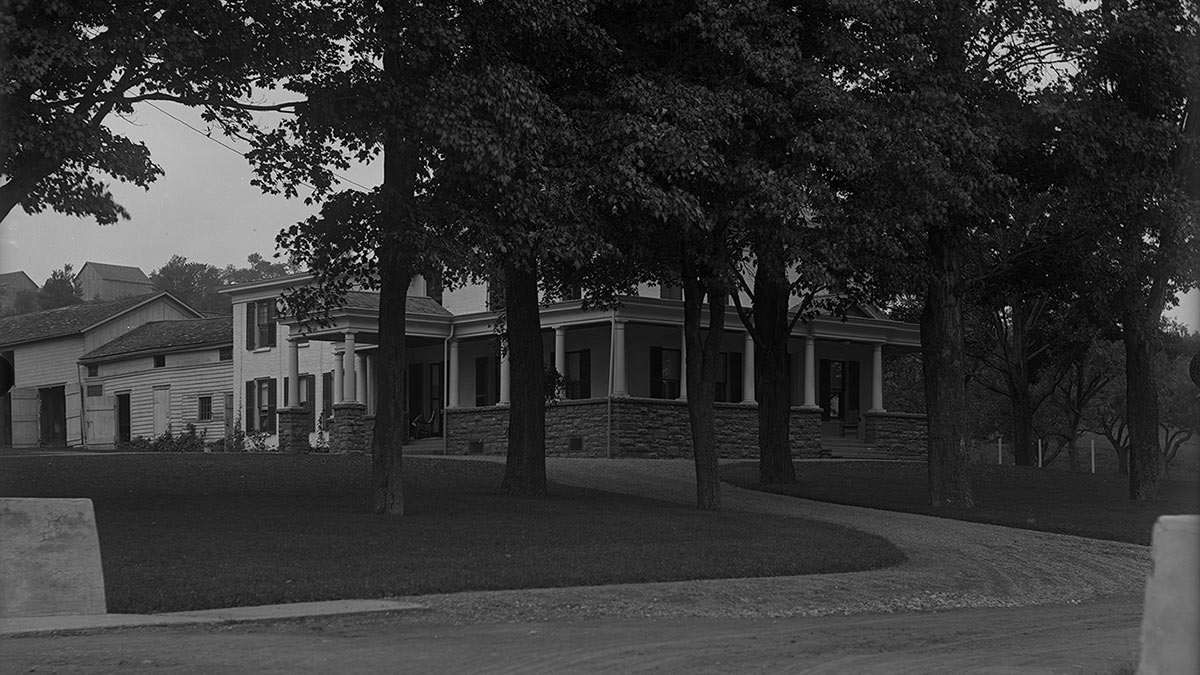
852	448
423	446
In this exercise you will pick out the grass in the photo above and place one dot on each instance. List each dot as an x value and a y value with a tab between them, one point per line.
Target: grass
1095	506
182	532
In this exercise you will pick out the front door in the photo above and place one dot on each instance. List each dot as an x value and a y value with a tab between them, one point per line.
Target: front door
838	394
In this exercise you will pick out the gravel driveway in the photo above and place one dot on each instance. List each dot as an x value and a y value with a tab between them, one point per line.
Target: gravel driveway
951	564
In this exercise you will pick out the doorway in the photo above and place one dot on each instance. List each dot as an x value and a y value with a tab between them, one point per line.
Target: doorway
123	418
52	416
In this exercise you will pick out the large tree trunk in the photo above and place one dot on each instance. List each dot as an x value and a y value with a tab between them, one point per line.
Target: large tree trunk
1141	401
944	361
400	164
525	467
1024	453
772	327
702	362
387	443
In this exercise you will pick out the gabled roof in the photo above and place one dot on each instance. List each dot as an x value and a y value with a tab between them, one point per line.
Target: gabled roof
72	319
109	272
15	278
415	304
157	337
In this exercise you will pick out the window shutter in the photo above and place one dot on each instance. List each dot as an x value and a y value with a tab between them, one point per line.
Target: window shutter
286	395
271	405
734	377
310	402
251	326
656	372
326	394
248	422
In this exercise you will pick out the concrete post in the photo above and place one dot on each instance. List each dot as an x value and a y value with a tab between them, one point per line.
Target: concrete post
618	384
452	390
682	363
505	380
293	365
748	369
810	372
349	385
877	379
339	375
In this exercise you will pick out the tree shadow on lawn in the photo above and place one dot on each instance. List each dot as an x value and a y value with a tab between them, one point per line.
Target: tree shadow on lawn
184	532
1048	500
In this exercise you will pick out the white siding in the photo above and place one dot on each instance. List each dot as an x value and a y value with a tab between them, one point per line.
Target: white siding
48	362
187	385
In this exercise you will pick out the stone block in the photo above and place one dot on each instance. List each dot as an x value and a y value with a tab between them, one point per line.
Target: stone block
1171	620
49	558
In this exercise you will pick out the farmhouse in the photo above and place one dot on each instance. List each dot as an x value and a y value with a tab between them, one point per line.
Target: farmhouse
624	376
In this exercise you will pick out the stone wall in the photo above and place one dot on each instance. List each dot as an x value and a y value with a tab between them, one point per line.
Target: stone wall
351	430
804	433
640	427
902	434
293	430
477	430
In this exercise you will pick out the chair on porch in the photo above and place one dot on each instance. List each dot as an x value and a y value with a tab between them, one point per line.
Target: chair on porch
423	427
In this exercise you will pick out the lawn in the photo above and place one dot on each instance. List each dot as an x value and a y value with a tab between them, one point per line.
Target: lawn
184	531
1095	506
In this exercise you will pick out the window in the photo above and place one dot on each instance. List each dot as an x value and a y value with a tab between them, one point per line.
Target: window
487	381
260	405
160	361
573	293
204	414
225	354
261	316
579	374
664	372
729	378
94	390
307	385
670	292
93	371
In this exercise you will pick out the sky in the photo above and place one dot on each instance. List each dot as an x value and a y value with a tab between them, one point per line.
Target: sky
202	208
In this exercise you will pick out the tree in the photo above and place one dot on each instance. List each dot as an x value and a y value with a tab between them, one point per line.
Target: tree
1088	376
939	88
69	66
1130	141
60	289
195	283
257	269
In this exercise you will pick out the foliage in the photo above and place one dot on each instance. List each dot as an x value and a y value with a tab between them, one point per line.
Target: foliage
195	283
68	67
256	269
60	289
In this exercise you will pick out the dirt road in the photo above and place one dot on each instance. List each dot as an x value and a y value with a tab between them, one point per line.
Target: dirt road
1096	637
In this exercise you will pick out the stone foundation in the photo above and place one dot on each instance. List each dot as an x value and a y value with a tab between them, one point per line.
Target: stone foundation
351	430
905	435
293	431
628	427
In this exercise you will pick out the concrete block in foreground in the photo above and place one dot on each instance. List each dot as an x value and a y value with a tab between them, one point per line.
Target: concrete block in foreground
1172	611
49	558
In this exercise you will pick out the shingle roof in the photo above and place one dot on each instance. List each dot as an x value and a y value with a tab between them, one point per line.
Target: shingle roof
63	321
124	273
416	304
166	336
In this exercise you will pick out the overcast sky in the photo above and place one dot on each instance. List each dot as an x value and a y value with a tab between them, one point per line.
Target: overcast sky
203	208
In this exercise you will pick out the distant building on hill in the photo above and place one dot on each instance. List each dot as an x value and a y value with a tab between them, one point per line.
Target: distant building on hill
102	281
17	293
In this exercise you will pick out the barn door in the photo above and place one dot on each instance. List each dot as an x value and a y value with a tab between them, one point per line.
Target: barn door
74	417
162	410
102	422
24	418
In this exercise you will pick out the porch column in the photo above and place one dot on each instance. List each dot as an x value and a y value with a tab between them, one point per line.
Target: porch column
877	379
810	372
372	385
505	380
338	375
349	385
748	369
560	354
360	391
682	363
293	362
618	364
452	388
